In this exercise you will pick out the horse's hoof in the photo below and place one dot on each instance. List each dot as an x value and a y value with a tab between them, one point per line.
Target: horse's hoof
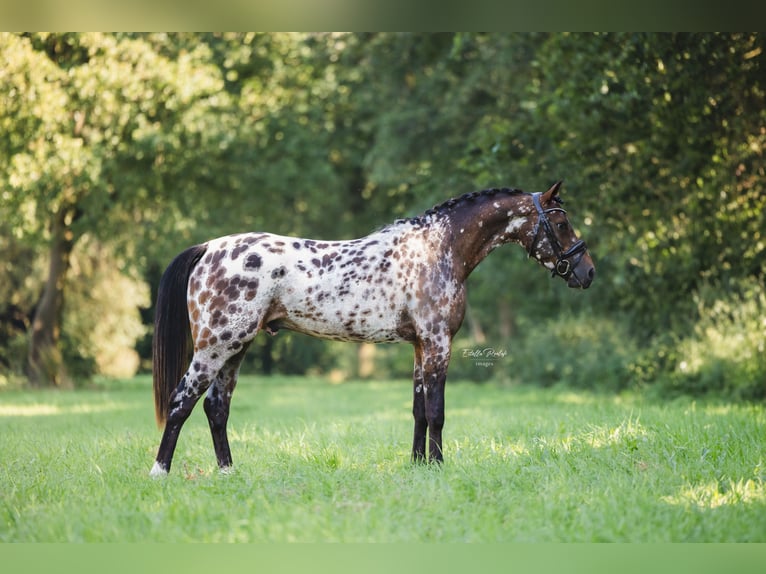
158	471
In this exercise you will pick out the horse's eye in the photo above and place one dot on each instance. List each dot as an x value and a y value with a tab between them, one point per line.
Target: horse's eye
561	226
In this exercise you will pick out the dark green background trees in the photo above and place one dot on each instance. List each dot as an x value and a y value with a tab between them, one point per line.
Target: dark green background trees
119	150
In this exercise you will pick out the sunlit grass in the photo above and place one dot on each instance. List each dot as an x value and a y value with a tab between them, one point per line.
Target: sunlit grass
716	494
321	462
37	410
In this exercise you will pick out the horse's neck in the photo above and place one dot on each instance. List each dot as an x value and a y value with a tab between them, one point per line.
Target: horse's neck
481	227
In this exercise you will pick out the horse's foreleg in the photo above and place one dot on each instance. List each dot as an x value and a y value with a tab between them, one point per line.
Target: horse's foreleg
419	409
182	401
435	362
217	404
435	415
430	376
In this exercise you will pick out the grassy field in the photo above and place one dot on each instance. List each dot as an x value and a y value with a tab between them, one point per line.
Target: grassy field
322	462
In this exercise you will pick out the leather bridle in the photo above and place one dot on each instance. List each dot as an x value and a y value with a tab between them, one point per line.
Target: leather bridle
565	264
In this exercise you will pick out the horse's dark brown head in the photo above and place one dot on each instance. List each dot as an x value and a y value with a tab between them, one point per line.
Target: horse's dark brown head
555	244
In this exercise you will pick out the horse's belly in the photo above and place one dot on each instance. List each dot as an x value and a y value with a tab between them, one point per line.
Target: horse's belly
345	318
350	328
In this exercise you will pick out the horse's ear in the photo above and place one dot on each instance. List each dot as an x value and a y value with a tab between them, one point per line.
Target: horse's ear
552	192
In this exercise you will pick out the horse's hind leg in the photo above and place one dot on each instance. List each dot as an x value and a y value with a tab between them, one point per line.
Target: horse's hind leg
194	382
217	404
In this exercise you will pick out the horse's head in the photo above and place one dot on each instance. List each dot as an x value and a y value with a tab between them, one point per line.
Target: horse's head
554	243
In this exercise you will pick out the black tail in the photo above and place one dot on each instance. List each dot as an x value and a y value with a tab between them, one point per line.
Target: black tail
170	346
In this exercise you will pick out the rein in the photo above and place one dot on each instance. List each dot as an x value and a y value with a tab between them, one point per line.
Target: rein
564	266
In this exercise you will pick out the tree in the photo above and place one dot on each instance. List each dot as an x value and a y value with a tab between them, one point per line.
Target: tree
660	137
126	148
99	127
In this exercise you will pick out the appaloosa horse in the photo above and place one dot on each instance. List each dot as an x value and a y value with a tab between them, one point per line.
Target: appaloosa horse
405	282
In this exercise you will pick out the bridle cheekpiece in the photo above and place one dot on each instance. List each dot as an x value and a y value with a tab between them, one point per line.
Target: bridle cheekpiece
564	264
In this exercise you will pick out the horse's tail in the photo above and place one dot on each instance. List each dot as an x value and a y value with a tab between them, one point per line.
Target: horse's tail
170	346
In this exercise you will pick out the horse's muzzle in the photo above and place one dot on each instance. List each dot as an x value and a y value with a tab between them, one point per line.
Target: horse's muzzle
582	275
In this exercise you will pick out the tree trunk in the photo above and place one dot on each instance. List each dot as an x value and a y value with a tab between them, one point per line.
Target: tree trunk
45	364
505	320
366	360
267	356
477	333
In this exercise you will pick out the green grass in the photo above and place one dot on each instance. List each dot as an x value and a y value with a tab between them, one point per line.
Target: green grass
322	462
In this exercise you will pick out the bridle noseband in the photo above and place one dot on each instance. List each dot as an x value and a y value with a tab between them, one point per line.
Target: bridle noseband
564	267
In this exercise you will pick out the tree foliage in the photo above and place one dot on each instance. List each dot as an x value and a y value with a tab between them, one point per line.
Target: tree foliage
118	150
106	126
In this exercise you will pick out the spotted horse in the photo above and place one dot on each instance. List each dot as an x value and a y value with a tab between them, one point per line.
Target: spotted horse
405	282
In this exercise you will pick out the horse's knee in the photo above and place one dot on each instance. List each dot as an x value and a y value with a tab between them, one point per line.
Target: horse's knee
419	412
436	421
434	411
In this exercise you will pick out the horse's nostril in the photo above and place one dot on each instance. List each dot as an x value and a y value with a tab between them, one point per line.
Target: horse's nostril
591	273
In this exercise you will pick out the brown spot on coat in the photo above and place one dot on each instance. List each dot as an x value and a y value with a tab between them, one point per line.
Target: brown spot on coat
253	261
241	248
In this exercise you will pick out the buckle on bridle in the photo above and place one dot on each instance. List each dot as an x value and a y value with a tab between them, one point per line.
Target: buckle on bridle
563	268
